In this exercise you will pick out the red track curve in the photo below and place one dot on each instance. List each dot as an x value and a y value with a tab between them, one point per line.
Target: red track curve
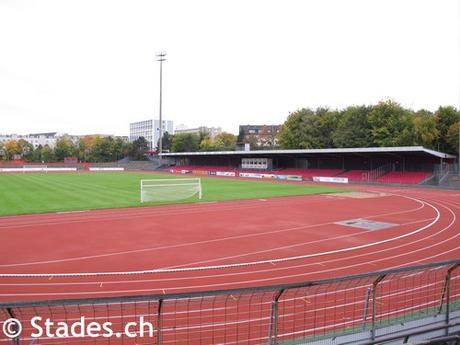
246	243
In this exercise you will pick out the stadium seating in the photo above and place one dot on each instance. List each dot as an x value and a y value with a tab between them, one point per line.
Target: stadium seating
353	175
305	173
404	177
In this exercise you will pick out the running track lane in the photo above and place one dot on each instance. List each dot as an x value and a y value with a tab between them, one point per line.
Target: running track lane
223	245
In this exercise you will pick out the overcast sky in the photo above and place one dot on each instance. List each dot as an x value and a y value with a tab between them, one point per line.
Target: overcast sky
88	66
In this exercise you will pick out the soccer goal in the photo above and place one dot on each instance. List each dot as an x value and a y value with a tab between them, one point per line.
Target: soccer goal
170	189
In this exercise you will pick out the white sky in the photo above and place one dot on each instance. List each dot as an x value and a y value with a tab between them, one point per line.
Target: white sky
88	66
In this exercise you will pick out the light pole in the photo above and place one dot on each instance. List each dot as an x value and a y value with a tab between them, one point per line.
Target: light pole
161	56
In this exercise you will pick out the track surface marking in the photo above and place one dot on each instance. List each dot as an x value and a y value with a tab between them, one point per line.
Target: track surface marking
223	245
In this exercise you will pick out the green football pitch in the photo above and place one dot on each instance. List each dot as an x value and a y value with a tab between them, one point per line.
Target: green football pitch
55	192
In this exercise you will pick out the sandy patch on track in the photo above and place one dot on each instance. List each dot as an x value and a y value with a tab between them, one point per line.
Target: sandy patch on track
358	195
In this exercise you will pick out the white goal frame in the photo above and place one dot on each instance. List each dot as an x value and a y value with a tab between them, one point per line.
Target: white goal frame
196	181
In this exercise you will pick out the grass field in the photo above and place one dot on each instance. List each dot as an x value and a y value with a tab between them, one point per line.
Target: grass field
52	192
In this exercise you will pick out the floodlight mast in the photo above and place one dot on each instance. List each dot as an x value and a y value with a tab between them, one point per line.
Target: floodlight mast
161	56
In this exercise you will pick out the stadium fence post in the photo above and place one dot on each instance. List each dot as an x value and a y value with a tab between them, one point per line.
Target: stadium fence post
447	291
15	340
366	307
273	323
374	303
160	304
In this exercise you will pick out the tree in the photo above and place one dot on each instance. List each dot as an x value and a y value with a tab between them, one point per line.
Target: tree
207	145
452	137
326	125
445	118
37	154
139	149
85	147
166	140
185	142
11	148
47	154
64	148
2	150
103	150
25	149
353	128
391	124
225	142
307	129
292	134
425	130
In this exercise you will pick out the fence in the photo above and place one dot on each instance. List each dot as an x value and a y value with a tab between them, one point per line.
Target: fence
362	307
374	174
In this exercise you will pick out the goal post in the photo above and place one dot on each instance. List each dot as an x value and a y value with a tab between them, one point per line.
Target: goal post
170	189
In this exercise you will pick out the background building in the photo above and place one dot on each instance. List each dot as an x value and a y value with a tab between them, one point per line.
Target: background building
259	135
150	130
36	139
212	131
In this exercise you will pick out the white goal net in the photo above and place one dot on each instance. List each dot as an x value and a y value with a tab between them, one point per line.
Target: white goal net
170	189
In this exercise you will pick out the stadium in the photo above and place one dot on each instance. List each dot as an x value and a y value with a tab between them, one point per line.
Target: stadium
230	172
277	247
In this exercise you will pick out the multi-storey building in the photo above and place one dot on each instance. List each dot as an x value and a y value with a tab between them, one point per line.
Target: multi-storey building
36	139
260	135
150	130
212	131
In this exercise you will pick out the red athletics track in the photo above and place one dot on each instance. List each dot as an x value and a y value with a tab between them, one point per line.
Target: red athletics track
223	245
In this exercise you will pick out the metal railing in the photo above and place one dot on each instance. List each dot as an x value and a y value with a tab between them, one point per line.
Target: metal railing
360	308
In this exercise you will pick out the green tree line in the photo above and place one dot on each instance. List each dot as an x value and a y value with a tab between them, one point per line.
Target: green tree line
190	142
86	149
384	124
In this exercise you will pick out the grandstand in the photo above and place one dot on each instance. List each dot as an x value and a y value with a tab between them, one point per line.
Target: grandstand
390	165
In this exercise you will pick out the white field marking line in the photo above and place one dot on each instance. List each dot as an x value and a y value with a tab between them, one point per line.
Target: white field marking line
308	255
201	286
124	216
90	257
137	282
439	254
163	247
71	212
143	212
266	279
334	269
193	278
362	232
198	268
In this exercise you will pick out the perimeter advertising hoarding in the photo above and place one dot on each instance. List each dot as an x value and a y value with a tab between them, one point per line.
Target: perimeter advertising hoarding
226	173
200	172
330	179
